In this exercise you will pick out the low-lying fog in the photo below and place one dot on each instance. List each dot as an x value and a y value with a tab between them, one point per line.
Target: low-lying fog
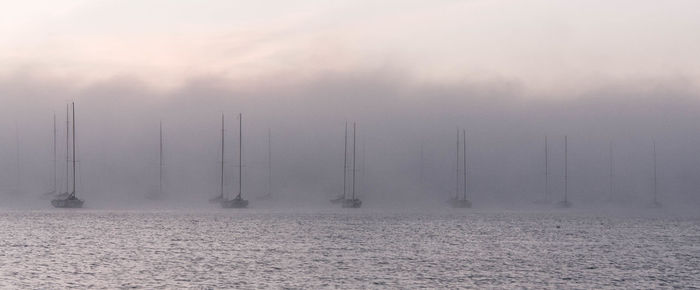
406	139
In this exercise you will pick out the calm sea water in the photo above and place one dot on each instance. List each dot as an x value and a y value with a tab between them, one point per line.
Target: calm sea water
344	249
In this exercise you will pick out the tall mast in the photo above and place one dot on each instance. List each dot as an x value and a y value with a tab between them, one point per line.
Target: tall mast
240	155
269	161
67	148
345	162
611	171
421	162
73	193
222	156
566	169
18	166
354	135
464	156
546	169
457	170
363	184
654	151
55	177
160	161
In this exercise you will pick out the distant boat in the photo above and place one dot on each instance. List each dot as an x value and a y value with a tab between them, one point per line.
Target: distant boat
353	202
238	201
268	195
655	203
70	201
219	198
462	202
566	203
341	198
159	193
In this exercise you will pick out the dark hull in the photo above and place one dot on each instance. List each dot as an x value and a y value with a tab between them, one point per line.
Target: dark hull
67	203
352	203
234	203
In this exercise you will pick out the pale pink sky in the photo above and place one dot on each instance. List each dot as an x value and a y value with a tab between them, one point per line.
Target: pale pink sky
543	44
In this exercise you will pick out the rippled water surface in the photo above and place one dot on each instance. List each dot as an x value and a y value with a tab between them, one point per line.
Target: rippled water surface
344	249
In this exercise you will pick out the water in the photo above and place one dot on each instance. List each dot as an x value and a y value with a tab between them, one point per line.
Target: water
344	249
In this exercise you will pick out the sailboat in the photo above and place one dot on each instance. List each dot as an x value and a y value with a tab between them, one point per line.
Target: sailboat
220	197
655	202
565	202
340	198
268	195
463	202
70	201
159	193
353	202
238	201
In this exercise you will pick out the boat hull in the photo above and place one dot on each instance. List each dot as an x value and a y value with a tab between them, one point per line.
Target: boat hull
352	203
234	203
67	203
564	204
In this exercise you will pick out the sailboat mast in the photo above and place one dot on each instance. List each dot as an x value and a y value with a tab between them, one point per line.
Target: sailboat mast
19	168
611	171
457	170
160	159
566	168
269	161
222	157
73	193
546	169
464	156
55	175
67	147
654	151
345	162
421	176
240	155
354	137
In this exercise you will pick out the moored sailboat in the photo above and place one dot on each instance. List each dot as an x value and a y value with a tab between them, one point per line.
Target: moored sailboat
238	201
462	202
159	194
70	201
353	202
566	203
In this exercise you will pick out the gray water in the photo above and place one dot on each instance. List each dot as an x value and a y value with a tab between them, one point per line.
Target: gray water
333	248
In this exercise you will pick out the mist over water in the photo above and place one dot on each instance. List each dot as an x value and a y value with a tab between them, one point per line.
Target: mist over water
117	139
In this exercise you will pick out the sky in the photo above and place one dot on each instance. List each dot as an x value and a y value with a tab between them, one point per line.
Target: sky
549	47
408	72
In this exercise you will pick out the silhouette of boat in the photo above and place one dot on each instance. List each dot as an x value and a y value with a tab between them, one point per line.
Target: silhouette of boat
159	194
456	201
353	202
70	201
238	201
